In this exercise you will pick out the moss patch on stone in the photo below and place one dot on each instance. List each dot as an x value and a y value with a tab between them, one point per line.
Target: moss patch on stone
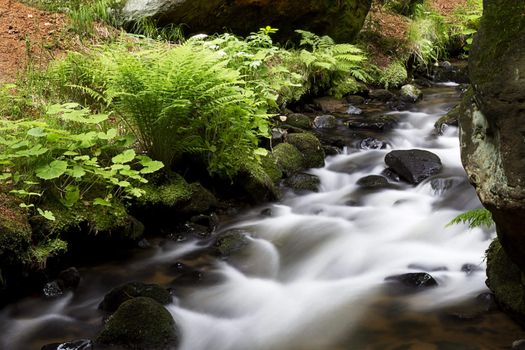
288	158
168	194
504	279
310	148
118	295
15	231
271	168
140	323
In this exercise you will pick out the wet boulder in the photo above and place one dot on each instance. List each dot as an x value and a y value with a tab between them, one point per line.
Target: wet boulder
414	165
288	158
81	344
372	143
123	293
230	242
413	281
373	181
303	183
381	95
355	100
310	148
377	122
140	323
449	119
410	93
326	121
298	120
341	20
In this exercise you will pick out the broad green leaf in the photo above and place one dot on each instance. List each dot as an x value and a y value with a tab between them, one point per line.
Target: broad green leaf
125	157
150	166
52	171
261	152
135	192
77	171
123	184
5	176
103	202
46	214
110	135
71	196
70	153
26	206
37	132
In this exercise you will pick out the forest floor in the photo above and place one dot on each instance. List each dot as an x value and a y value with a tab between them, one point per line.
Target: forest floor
35	37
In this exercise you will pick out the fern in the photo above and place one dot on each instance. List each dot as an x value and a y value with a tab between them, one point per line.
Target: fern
474	218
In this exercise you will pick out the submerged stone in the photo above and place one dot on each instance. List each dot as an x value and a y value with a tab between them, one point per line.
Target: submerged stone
373	181
303	183
326	121
230	242
410	93
413	281
310	148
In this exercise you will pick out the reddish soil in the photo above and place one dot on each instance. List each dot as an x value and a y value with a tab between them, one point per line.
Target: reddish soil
446	7
27	34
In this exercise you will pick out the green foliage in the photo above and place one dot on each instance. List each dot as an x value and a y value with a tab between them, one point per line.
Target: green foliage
175	99
394	75
474	218
66	157
149	28
403	7
465	23
428	35
40	253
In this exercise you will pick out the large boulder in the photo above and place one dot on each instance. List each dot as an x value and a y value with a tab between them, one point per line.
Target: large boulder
413	165
310	148
119	295
492	121
140	323
340	19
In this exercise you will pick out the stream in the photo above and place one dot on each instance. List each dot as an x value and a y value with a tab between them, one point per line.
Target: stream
312	275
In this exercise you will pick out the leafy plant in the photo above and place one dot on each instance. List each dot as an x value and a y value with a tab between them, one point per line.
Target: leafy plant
474	218
465	23
47	157
394	75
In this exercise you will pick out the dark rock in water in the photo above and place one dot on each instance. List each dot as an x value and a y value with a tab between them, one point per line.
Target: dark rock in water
331	150
326	121
379	122
144	244
372	143
298	120
190	229
446	72
123	293
209	221
470	268
140	323
185	273
398	105
52	289
381	95
82	344
303	182
413	281
449	119
442	185
518	344
231	242
278	136
373	181
391	175
341	21
423	82
355	99
410	93
267	212
310	148
69	278
413	165
353	110
487	301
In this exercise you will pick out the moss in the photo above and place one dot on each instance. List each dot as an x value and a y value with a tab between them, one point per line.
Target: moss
257	184
15	231
140	323
303	182
271	168
299	121
310	148
451	118
201	200
169	194
504	279
288	158
118	295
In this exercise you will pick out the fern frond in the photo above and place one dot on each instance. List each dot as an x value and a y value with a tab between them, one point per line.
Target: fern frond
474	218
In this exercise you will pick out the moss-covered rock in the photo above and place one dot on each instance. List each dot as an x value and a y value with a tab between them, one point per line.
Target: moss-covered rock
271	167
288	158
505	279
125	292
15	231
303	183
310	148
230	242
451	118
257	184
298	120
340	19
140	323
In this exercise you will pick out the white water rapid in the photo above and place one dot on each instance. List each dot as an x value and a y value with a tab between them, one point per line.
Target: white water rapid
314	271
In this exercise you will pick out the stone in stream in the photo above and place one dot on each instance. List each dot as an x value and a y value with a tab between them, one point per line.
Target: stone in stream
381	95
518	344
326	121
413	281
230	242
355	99
298	120
373	181
469	269
140	323
414	165
81	344
310	148
68	279
378	122
302	182
410	93
123	293
372	143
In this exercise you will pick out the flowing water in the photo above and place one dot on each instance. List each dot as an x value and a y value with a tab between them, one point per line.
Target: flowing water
313	274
